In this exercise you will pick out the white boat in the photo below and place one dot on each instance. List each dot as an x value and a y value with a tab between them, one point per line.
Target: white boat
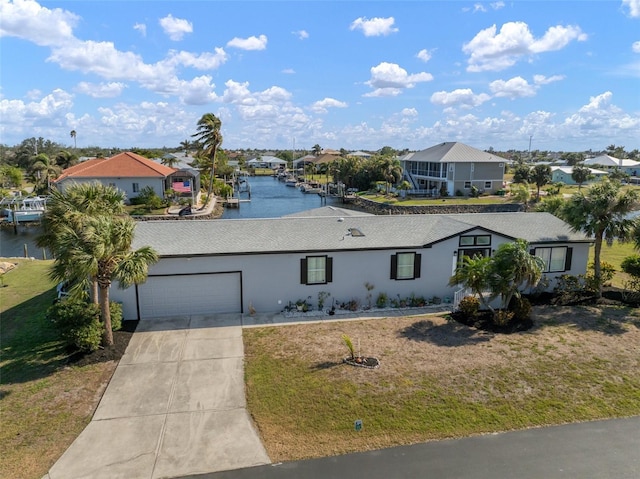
291	181
23	209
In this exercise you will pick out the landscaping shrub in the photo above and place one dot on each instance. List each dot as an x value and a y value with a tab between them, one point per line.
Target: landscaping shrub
382	300
521	308
78	322
607	271
502	317
469	306
116	315
631	265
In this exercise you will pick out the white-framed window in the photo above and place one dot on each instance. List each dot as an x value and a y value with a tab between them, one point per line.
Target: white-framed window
405	266
136	187
316	270
556	259
475	240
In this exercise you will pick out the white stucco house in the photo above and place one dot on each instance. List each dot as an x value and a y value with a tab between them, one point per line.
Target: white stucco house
129	172
267	162
453	168
224	266
628	166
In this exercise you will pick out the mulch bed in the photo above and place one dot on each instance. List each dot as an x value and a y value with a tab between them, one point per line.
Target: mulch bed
121	340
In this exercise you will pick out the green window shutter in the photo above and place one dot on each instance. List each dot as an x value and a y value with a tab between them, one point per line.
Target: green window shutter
394	266
303	271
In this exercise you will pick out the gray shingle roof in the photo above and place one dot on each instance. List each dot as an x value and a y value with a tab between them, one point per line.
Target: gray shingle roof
273	235
453	152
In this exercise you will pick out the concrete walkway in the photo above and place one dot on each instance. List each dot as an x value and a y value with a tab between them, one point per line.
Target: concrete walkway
175	406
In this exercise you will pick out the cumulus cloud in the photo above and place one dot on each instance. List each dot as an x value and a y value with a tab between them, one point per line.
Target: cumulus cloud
389	79
633	6
22	117
175	28
251	43
543	80
101	90
409	112
374	27
516	87
30	21
202	61
323	106
461	98
493	50
635	47
424	55
301	34
142	28
289	71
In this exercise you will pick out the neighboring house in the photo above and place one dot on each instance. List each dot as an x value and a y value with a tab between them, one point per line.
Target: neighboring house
630	167
267	162
563	174
270	262
127	171
300	162
453	168
360	154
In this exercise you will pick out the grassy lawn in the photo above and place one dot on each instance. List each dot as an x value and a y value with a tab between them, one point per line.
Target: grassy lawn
45	403
437	379
614	254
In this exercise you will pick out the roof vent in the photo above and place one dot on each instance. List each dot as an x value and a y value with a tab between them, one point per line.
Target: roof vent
355	232
340	220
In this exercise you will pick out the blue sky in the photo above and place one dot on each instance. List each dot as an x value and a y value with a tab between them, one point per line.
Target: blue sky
348	74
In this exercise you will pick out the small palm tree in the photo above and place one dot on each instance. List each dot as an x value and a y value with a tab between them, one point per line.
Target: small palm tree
317	149
473	273
73	135
71	210
43	170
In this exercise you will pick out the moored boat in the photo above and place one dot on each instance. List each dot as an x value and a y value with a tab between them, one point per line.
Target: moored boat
23	209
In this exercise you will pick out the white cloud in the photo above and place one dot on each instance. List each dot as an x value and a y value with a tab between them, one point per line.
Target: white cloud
101	90
323	106
516	87
409	112
289	71
175	28
601	116
478	7
633	6
424	55
301	34
142	28
463	98
543	80
27	118
202	61
635	47
497	5
389	79
374	27
251	43
42	26
492	50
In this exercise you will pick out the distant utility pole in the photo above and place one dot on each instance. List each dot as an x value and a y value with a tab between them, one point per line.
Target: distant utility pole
530	137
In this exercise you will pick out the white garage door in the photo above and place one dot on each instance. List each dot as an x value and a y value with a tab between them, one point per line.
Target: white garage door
177	295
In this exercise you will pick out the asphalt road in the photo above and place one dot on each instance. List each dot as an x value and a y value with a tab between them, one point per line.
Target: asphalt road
591	450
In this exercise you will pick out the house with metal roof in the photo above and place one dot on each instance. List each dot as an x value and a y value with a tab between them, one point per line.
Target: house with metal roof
628	166
129	172
562	174
223	266
453	168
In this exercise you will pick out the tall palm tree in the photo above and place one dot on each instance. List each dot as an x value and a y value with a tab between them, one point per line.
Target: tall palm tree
210	138
186	144
602	213
540	175
73	135
392	173
317	149
102	249
170	161
71	210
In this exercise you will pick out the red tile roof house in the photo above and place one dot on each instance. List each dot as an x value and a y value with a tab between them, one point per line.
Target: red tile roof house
126	171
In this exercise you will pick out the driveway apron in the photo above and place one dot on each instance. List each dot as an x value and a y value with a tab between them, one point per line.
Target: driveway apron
175	406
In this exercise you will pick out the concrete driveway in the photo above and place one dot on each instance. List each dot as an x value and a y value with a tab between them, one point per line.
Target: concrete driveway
175	406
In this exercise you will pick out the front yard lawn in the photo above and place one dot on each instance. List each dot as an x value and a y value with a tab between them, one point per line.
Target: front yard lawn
438	379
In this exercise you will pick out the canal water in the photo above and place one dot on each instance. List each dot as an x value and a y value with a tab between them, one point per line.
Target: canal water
270	198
